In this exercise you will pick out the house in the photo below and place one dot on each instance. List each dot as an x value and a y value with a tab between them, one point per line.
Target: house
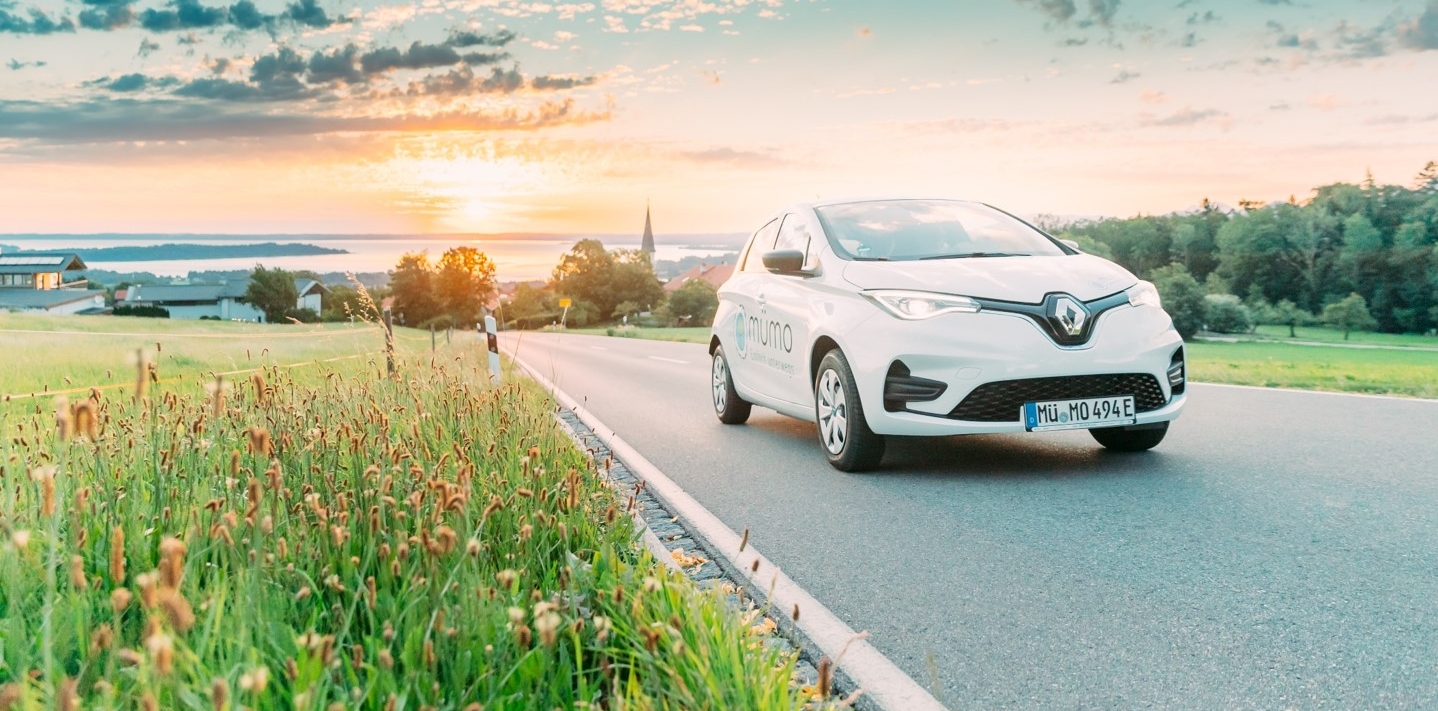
715	274
37	282
225	301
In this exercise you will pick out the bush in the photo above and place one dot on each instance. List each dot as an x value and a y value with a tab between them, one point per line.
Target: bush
143	311
303	315
1224	313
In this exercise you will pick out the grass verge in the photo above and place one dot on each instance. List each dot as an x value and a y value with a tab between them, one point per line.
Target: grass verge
1410	373
321	538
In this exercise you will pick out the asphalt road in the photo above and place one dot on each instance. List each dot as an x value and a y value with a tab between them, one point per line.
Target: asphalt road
1278	550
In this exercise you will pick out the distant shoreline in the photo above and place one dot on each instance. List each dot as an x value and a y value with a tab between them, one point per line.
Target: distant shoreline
192	252
694	238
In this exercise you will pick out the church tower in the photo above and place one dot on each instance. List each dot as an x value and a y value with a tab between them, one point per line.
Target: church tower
648	245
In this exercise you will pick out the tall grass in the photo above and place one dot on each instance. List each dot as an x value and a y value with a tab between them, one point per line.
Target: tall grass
323	538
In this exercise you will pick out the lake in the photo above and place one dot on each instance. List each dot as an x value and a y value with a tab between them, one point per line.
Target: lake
515	259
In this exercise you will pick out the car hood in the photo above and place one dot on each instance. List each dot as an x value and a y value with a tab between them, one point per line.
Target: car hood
1019	279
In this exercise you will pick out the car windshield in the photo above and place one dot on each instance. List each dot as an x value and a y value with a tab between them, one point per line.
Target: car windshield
906	230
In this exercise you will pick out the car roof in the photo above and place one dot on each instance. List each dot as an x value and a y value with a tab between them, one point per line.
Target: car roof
811	204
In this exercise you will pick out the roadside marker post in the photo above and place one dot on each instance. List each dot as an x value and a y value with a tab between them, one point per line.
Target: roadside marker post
489	329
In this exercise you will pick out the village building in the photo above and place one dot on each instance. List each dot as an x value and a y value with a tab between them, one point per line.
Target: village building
224	301
715	274
46	283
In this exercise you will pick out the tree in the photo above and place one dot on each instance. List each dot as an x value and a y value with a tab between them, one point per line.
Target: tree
694	303
465	283
601	280
1350	314
412	283
1182	298
1287	313
273	292
531	306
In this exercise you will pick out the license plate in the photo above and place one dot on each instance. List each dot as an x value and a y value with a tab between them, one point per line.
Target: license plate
1079	414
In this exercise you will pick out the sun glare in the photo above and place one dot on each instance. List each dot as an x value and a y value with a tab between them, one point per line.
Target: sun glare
464	189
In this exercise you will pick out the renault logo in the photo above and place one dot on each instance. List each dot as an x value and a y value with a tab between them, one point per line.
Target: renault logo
1068	314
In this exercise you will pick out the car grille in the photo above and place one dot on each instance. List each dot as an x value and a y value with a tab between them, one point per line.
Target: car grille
1001	401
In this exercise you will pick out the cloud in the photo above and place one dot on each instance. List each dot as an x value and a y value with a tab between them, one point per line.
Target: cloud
1057	10
16	65
310	14
106	14
1124	76
1189	117
287	89
1422	33
38	22
128	83
551	82
732	157
1103	11
1275	2
1202	19
418	56
147	47
183	15
1396	120
117	120
337	65
246	16
1149	96
465	38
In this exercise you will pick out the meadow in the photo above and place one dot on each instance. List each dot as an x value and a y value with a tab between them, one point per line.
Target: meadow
324	537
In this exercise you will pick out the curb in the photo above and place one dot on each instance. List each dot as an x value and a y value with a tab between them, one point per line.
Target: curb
818	632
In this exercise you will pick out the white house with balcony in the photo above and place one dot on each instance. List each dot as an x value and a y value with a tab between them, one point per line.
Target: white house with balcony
46	283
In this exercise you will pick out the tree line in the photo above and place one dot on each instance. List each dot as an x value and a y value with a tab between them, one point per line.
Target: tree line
1356	256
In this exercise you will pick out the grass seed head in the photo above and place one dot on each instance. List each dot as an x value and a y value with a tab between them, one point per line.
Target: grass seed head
21	538
219	694
117	556
67	697
172	561
120	600
162	650
77	573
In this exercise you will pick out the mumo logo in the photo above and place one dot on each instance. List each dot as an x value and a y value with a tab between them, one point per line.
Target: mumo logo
762	332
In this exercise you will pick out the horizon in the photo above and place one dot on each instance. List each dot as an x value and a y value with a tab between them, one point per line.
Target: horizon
485	117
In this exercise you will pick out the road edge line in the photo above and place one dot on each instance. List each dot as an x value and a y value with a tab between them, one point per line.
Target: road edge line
882	681
1368	396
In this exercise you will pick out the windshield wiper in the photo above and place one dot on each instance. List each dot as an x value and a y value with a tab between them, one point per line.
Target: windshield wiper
871	259
966	255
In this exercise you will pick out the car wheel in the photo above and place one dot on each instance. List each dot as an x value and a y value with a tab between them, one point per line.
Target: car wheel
731	409
843	432
1120	439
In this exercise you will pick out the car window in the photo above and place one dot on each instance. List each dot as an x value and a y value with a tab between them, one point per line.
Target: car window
794	234
902	230
763	242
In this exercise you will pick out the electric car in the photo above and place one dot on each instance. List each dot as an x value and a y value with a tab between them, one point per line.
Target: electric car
939	317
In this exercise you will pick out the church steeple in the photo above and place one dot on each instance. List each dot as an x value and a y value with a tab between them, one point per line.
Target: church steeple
648	245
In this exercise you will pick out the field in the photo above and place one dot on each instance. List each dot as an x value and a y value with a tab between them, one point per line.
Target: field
323	537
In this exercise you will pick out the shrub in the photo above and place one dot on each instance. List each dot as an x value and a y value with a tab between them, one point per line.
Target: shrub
1224	313
144	311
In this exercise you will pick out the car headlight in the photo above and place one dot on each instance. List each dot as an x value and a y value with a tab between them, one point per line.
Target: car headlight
1144	294
916	305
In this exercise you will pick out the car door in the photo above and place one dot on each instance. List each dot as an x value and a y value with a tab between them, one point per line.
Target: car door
782	334
742	290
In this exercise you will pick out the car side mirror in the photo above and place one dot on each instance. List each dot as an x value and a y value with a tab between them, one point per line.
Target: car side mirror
1071	243
784	261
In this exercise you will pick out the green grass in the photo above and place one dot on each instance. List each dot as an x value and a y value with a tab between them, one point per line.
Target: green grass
697	334
354	541
1329	335
1376	371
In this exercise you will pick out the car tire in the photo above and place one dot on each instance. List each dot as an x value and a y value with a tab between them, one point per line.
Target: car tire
1121	439
844	434
731	409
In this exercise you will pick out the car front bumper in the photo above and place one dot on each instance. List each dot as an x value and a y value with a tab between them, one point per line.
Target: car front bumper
966	351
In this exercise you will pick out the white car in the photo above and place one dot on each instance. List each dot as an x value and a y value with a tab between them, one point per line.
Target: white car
939	317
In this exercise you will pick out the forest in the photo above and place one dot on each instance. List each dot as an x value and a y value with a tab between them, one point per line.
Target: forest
1291	262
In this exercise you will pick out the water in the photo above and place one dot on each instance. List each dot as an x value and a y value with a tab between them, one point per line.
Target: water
514	259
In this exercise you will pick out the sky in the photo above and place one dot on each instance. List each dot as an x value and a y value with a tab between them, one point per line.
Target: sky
488	116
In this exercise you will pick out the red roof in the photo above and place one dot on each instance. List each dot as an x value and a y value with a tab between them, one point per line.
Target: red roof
715	274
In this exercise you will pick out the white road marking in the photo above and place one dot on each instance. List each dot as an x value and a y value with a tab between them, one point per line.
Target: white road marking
882	681
670	360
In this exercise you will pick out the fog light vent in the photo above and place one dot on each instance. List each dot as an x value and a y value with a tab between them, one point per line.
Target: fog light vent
1176	379
901	388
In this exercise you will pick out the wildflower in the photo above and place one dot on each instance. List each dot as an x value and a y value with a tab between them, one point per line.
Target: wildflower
255	680
120	600
506	578
117	556
547	625
77	573
172	561
219	694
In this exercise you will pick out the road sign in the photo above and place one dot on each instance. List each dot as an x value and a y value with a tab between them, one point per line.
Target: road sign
564	303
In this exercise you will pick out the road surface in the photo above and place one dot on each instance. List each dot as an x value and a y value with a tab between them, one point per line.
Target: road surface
1278	550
